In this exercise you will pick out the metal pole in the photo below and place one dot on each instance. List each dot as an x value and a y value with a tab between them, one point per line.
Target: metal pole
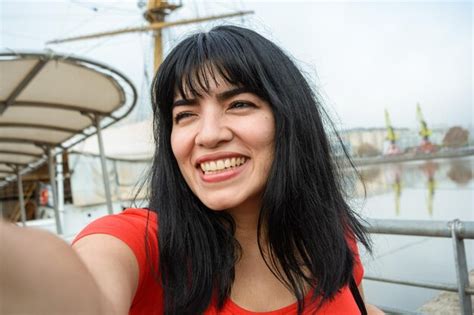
153	26
105	176
21	197
435	286
52	180
60	185
462	274
117	183
419	228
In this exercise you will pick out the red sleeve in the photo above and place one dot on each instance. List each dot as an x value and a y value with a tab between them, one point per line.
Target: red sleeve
131	227
358	270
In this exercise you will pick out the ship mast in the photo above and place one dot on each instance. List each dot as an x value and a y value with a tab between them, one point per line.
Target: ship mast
155	14
157	10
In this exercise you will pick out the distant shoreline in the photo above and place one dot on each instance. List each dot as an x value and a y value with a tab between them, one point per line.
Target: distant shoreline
408	157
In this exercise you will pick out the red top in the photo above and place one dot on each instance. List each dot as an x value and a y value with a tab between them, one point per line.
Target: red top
130	225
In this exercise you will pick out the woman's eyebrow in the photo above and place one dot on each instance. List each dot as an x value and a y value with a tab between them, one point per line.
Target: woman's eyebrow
232	92
222	96
184	102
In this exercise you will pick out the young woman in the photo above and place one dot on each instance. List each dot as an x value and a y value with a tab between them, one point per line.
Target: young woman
246	213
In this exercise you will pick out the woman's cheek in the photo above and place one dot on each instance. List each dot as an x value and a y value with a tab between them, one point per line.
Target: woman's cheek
178	144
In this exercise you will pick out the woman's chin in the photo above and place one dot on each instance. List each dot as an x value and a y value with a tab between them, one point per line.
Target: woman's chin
217	206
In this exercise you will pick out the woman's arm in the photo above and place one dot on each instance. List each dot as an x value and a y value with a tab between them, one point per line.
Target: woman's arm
114	267
42	274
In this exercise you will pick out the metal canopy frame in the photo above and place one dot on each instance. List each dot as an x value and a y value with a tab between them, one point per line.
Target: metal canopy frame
24	85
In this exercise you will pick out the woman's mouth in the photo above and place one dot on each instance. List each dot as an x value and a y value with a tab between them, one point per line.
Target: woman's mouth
222	165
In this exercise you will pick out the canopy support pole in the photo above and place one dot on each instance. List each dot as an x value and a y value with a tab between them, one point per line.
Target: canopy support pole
108	196
60	185
52	180
21	197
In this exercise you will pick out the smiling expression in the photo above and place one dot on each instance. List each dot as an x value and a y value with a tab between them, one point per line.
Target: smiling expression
223	142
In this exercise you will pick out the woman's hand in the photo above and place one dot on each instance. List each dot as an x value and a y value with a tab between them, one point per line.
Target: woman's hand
373	310
41	274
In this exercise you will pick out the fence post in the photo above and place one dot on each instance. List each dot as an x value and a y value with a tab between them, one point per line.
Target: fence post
461	267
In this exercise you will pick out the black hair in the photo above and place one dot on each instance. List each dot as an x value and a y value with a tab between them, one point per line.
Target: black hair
304	215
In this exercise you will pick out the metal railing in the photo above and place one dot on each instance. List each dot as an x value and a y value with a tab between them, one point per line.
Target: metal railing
457	230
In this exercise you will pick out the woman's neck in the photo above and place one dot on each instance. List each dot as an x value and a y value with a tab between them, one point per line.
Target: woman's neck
255	286
246	225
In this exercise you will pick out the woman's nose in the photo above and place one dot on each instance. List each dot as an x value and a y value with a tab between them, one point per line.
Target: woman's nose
213	131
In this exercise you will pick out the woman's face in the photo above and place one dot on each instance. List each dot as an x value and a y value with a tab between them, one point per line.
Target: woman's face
224	143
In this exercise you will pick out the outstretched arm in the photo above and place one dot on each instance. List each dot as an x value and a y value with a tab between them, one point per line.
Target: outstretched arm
42	274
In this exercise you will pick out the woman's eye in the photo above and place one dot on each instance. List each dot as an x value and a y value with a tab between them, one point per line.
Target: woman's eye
181	116
240	104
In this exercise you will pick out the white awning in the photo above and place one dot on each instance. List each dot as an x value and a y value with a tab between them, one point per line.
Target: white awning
138	138
51	101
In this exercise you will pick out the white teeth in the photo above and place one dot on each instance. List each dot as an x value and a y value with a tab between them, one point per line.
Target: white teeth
212	166
220	165
227	163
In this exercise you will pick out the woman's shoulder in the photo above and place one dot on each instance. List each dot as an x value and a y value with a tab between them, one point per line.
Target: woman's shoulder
139	214
129	221
358	269
137	227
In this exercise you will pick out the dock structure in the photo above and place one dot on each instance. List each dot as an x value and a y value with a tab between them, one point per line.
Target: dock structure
410	157
446	303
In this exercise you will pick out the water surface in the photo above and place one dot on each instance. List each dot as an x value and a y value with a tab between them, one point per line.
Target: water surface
421	190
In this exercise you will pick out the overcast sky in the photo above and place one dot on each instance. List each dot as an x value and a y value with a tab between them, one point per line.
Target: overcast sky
362	56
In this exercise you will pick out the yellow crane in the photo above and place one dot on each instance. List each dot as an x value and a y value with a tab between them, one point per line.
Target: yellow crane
391	136
425	132
425	146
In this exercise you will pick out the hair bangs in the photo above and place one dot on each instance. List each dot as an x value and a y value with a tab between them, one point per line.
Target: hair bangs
210	56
